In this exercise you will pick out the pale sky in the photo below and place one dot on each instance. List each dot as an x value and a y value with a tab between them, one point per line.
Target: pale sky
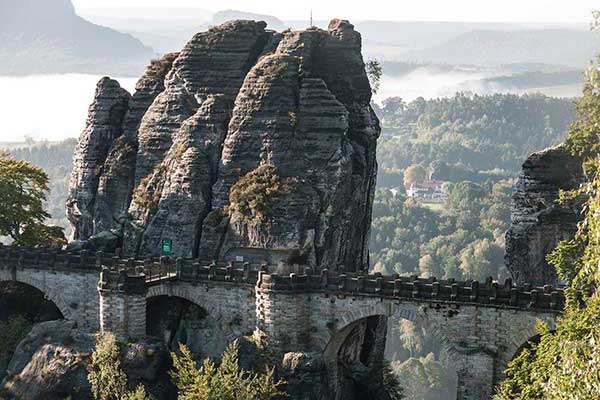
420	10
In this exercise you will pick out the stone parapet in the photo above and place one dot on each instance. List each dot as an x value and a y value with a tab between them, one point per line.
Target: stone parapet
489	293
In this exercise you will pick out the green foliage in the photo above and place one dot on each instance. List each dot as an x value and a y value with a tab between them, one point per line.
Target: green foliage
42	235
425	378
374	72
223	382
464	137
463	241
138	394
23	191
107	378
255	194
56	160
566	363
414	174
392	383
11	333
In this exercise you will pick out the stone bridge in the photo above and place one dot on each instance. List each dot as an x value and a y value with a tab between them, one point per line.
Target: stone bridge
481	326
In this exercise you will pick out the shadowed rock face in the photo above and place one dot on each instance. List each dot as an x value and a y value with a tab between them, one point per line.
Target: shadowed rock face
248	143
538	222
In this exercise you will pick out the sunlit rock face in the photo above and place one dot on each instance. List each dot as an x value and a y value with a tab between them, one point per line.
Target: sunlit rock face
539	223
248	144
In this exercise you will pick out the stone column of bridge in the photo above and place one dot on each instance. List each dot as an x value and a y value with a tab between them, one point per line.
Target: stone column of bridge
122	304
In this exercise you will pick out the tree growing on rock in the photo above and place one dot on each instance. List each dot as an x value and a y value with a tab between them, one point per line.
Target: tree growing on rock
227	381
107	378
23	192
374	72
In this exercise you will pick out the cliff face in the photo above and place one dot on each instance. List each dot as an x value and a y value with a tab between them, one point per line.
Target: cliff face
248	143
538	222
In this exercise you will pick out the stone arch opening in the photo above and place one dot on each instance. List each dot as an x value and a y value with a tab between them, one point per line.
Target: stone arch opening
355	357
417	367
18	299
177	320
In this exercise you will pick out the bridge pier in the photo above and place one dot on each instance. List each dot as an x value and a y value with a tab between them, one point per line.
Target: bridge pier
122	304
475	373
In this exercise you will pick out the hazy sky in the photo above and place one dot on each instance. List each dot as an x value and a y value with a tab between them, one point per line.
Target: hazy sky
422	10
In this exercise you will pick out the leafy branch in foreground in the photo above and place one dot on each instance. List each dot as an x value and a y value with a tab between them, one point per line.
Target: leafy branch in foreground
565	364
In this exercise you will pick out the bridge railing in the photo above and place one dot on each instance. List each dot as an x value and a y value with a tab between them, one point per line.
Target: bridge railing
47	259
156	269
160	269
489	293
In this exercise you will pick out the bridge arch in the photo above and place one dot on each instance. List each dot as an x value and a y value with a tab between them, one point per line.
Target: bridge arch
203	299
344	331
521	338
50	294
408	311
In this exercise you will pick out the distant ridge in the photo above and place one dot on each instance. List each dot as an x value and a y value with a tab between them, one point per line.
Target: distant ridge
573	48
47	36
229	15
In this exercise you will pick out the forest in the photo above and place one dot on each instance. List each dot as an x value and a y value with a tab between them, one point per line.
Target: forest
55	159
476	145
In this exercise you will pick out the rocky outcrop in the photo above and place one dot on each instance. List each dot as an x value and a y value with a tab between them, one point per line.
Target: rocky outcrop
103	127
118	172
248	144
539	223
51	364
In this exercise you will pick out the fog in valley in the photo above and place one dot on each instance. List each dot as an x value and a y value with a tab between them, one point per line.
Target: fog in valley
426	59
61	101
47	107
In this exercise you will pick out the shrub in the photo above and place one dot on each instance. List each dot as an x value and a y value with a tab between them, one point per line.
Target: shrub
223	382
108	380
255	194
11	333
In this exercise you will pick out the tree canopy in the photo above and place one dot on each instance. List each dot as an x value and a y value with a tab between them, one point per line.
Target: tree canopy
414	174
23	192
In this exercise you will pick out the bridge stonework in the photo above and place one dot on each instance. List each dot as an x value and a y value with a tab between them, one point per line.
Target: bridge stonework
481	326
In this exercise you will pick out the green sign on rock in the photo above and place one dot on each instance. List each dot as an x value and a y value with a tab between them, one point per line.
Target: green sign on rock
167	247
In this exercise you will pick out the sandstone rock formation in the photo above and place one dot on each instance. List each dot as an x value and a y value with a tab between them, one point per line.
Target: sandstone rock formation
247	144
538	221
51	364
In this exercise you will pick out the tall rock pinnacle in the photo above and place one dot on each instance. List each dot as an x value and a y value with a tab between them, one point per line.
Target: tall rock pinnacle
539	223
248	144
